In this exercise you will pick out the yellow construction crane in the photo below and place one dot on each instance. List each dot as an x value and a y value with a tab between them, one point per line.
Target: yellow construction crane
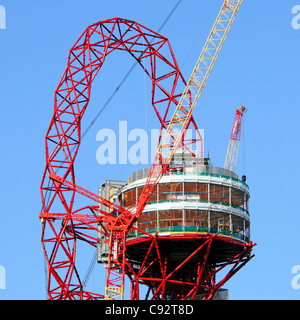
194	88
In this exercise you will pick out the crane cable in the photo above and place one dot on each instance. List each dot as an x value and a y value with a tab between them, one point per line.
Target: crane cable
205	23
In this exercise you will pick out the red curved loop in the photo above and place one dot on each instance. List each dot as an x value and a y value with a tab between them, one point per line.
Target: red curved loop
64	136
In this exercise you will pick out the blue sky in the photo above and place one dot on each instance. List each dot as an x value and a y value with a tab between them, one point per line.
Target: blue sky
258	66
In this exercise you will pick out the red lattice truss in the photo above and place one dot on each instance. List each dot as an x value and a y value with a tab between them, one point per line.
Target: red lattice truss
63	225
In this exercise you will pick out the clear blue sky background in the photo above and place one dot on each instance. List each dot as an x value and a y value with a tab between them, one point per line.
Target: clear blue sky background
258	66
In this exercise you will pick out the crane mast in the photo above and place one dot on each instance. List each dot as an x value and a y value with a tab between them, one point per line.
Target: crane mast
234	141
172	139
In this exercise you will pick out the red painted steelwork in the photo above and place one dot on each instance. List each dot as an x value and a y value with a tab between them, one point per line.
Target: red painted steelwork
237	124
192	275
63	139
64	226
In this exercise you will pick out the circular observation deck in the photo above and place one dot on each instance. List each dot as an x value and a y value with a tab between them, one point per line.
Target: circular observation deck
192	200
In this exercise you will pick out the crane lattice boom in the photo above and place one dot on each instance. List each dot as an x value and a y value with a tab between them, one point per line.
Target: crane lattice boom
234	141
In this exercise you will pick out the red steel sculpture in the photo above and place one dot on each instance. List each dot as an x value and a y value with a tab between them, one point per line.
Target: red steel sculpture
64	225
